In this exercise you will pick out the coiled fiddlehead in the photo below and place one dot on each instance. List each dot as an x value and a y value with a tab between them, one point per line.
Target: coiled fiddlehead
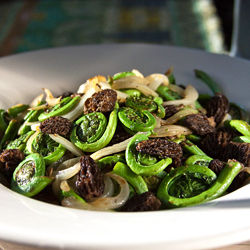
194	184
136	120
29	177
92	132
149	103
143	164
46	147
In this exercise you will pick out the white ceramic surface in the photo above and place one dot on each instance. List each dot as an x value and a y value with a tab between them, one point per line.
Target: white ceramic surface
215	224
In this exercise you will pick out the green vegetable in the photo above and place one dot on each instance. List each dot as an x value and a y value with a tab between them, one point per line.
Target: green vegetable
201	160
31	116
29	176
214	86
136	120
47	147
20	142
191	148
4	120
237	112
194	138
101	139
66	105
71	192
17	109
109	162
243	138
131	92
150	103
136	181
133	159
194	184
123	74
241	126
10	133
167	94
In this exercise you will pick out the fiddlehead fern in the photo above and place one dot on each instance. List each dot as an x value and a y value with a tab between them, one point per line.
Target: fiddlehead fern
29	177
194	184
136	120
143	164
92	132
45	146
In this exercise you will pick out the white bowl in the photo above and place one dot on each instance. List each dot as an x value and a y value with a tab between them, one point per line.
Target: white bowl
26	221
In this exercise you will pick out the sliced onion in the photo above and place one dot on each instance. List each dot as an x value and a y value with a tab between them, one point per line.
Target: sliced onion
64	186
118	147
131	79
116	201
67	164
171	130
190	96
44	106
158	121
155	80
137	73
177	116
34	126
177	89
104	85
121	96
50	99
91	83
67	144
108	190
64	175
30	140
72	202
36	101
67	156
68	172
109	187
133	85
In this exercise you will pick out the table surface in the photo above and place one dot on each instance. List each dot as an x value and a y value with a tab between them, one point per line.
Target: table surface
10	246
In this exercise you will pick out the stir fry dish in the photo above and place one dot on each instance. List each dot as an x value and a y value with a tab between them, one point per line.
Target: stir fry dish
126	143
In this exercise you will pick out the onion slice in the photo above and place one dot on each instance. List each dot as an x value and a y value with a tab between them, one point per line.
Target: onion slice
50	99
171	130
102	203
190	96
67	144
108	190
132	85
64	165
177	89
36	101
30	140
64	175
118	147
155	80
72	202
121	96
116	201
177	116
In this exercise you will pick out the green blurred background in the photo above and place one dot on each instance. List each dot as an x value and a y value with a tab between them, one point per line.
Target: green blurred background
37	24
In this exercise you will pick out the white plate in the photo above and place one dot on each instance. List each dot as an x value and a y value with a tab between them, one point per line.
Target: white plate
23	220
